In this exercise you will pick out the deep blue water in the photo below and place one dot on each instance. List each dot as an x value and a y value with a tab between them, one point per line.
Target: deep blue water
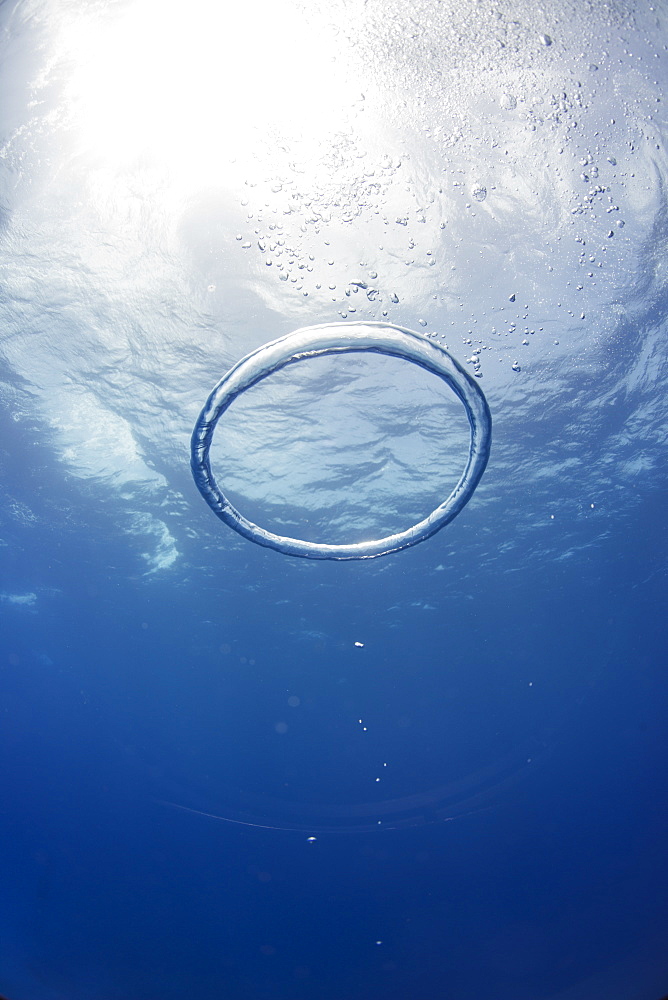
548	881
229	773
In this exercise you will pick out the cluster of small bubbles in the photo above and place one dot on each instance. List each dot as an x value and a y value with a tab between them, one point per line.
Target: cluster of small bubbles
479	192
475	361
516	366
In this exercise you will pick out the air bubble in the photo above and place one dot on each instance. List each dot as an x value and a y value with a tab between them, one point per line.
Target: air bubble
310	342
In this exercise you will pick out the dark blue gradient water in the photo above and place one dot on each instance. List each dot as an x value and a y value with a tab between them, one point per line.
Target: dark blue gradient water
229	773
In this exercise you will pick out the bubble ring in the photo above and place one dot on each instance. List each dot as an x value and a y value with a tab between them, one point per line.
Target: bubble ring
343	338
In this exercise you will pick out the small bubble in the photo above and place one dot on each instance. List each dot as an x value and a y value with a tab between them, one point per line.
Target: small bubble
508	102
516	367
545	40
311	840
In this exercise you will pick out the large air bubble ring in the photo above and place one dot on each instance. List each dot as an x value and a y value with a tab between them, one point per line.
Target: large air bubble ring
343	338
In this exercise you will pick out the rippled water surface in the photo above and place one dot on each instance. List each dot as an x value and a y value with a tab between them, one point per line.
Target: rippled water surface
227	772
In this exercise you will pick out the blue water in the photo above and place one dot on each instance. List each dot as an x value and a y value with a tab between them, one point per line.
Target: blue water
227	772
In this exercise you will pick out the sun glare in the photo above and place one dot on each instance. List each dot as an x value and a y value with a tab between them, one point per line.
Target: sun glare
191	87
